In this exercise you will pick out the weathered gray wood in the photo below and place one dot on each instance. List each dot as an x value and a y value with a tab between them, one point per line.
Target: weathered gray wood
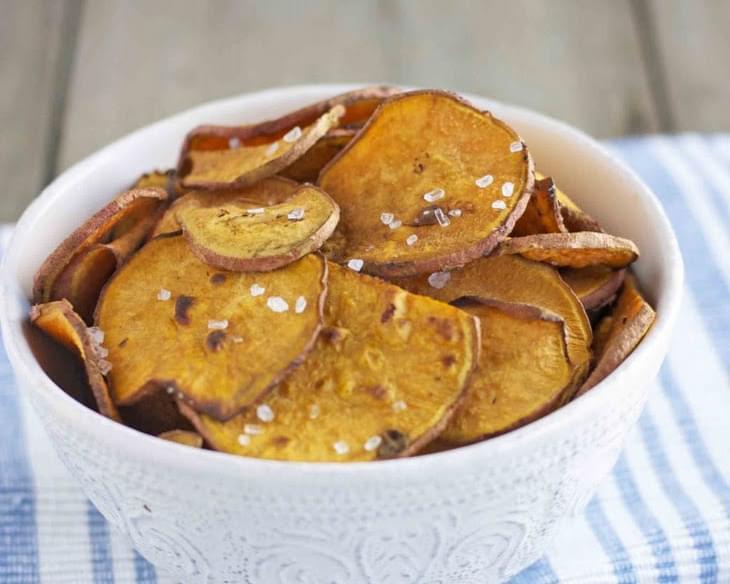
30	40
138	60
694	53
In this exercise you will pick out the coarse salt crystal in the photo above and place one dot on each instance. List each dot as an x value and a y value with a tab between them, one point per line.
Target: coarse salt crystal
300	305
411	239
170	389
234	143
237	338
264	413
507	189
499	205
516	146
257	290
386	218
293	135
399	406
341	447
218	325
441	217
395	224
252	429
455	212
273	147
255	211
164	294
434	195
372	443
484	181
244	439
277	304
355	264
296	214
314	412
439	279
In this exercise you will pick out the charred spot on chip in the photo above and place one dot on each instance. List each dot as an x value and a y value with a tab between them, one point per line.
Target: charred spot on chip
427	216
377	391
280	441
443	327
214	341
387	313
332	334
217	278
182	306
448	360
394	442
123	342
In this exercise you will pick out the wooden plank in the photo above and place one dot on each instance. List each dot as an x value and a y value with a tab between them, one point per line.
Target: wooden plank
139	61
30	41
693	45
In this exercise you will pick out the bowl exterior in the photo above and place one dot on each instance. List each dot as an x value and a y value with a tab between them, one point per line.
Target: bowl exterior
474	515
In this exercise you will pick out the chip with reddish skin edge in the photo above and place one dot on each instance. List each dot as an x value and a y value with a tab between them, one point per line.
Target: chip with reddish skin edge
596	286
386	374
58	320
428	149
184	437
221	340
629	322
523	371
573	250
266	192
542	214
234	237
119	219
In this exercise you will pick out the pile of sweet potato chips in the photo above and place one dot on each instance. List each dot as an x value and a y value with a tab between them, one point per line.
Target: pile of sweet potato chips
376	275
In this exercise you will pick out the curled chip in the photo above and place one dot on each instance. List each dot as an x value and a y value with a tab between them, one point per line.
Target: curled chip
523	371
573	250
516	280
629	321
429	183
185	437
160	179
596	286
218	340
574	218
58	320
542	214
264	193
386	373
308	167
245	239
77	269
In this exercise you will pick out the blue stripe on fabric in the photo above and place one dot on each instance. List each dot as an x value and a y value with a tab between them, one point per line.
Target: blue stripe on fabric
144	572
646	521
18	531
692	435
702	273
721	158
539	572
102	564
612	545
694	523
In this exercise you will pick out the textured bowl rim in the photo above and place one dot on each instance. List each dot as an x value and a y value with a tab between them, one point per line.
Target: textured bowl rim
132	443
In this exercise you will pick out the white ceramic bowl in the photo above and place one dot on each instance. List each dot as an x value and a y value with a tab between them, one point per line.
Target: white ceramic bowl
473	515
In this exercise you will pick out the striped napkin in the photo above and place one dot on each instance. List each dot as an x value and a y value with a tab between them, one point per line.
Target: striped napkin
662	516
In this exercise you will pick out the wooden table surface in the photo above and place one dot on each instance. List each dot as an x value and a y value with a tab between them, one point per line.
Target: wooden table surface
77	74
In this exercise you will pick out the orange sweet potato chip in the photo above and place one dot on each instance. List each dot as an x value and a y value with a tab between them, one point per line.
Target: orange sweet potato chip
160	179
243	238
58	320
308	167
542	214
596	286
264	193
573	250
385	375
515	280
78	267
429	183
185	437
217	340
630	320
523	371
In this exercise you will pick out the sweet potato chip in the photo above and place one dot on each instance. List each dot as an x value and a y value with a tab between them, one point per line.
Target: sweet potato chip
121	222
308	167
523	371
573	250
218	340
382	381
58	320
266	192
596	286
516	280
630	320
184	437
575	219
244	239
542	214
160	179
429	183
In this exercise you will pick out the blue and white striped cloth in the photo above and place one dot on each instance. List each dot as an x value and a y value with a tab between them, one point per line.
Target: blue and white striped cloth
662	516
